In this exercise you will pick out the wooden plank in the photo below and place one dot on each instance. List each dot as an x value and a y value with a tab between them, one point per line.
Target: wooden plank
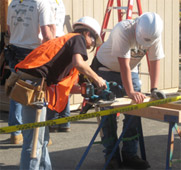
176	105
168	44
175	43
156	113
152	5
99	11
161	12
77	9
153	112
68	16
88	8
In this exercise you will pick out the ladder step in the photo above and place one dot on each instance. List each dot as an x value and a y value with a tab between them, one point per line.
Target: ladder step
107	30
120	8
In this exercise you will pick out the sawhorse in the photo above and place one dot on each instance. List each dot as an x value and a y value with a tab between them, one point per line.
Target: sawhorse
170	113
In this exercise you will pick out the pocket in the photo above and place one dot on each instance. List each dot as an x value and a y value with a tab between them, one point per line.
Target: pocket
22	92
10	82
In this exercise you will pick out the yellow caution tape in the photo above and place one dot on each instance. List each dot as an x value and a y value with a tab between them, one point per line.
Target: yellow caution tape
123	109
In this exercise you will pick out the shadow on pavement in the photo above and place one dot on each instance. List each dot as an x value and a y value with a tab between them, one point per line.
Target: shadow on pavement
156	148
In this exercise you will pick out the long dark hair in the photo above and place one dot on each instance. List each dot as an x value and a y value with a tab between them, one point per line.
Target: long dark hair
92	34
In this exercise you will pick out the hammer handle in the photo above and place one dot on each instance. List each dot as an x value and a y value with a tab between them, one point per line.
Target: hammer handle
36	130
35	134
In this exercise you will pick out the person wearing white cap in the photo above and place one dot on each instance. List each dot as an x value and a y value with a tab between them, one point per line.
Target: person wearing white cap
117	60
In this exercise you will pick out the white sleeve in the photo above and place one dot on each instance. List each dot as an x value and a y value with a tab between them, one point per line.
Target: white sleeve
155	52
46	16
120	44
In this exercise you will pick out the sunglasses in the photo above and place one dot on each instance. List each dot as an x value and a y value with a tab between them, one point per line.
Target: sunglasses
92	38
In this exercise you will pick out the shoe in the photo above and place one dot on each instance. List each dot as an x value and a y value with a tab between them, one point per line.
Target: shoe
17	139
53	129
114	164
49	142
64	129
134	162
59	129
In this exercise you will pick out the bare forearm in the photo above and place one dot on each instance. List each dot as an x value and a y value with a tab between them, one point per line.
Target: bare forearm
85	69
154	73
48	32
127	80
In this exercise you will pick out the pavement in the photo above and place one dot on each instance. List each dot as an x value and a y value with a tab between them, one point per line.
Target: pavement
68	147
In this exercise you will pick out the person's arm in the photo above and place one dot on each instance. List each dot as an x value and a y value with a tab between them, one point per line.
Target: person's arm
9	33
154	73
85	69
125	72
76	89
47	32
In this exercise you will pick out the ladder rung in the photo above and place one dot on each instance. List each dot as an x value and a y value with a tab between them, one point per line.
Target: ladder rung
107	30
121	8
142	73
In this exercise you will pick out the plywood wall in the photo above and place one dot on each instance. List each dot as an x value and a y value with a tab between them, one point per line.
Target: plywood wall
167	9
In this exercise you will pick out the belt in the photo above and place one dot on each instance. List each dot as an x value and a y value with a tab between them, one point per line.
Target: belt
24	75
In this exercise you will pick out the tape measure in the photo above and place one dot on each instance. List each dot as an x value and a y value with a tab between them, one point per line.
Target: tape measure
123	109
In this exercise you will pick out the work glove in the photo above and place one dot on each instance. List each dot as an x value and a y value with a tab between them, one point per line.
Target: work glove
157	94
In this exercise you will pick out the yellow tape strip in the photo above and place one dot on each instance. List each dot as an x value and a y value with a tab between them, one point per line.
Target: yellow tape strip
124	109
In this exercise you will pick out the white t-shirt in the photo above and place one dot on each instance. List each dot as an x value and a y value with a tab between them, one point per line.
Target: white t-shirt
25	20
58	9
122	43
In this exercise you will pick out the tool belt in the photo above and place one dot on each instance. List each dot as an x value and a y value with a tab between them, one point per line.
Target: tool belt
96	64
25	89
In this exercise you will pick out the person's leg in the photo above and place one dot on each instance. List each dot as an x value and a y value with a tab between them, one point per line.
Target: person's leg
54	115
130	139
110	125
65	113
42	161
15	118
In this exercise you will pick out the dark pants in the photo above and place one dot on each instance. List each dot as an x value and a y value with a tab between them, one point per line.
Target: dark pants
110	124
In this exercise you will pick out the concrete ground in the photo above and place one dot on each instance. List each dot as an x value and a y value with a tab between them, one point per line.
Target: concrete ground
67	148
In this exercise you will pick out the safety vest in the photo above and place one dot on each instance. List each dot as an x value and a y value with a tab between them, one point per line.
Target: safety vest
57	93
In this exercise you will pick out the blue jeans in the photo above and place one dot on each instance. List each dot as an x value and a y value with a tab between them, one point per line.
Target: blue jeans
15	117
42	161
65	113
110	125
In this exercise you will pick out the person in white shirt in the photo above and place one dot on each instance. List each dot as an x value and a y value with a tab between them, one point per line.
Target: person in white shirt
117	60
26	19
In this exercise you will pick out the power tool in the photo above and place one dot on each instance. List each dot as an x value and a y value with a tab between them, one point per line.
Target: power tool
93	95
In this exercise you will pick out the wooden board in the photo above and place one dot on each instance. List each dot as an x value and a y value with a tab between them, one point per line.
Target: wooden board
157	113
154	112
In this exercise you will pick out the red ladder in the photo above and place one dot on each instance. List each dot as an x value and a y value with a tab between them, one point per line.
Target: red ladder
121	12
129	12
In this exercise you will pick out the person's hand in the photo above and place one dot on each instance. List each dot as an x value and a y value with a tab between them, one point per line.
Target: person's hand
101	83
157	94
137	96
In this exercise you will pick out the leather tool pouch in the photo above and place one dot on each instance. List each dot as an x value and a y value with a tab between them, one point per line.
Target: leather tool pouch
10	82
26	93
